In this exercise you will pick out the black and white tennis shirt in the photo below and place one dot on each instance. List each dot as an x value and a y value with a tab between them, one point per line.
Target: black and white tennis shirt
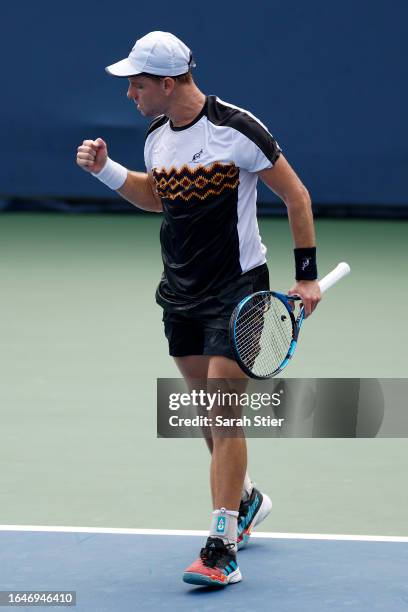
205	174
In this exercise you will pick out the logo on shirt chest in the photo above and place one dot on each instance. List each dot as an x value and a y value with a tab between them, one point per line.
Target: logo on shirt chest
196	157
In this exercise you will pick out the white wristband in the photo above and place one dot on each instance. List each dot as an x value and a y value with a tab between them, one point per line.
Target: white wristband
112	174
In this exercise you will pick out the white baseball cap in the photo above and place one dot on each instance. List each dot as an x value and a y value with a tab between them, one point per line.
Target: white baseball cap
158	53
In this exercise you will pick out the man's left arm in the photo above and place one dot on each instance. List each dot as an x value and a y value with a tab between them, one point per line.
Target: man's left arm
283	181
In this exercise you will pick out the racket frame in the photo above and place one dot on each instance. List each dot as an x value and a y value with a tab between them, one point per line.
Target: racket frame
296	324
339	272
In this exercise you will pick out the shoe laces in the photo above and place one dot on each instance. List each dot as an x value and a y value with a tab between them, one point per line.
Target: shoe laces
214	551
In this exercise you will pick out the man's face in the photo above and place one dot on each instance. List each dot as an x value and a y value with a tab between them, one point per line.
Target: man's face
148	94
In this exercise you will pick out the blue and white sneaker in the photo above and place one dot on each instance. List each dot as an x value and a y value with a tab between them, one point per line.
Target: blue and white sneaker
252	512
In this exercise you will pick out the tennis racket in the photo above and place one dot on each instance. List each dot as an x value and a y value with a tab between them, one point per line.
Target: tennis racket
264	328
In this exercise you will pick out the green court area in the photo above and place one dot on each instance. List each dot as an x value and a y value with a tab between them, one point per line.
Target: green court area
82	346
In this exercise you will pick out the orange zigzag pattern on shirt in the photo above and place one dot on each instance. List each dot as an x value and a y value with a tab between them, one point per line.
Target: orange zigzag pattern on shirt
201	182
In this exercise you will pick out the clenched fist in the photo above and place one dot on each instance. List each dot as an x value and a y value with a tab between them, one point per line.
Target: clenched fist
92	155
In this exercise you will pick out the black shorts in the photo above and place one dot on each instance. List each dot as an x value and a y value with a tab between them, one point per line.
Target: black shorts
195	333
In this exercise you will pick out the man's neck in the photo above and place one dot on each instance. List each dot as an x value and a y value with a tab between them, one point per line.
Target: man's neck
185	108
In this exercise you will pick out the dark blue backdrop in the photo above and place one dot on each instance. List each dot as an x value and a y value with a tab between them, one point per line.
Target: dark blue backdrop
328	78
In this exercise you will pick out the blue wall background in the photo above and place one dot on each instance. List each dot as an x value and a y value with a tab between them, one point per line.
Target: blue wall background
328	78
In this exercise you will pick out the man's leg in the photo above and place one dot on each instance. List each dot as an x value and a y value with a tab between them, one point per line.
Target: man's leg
194	368
229	462
217	564
229	454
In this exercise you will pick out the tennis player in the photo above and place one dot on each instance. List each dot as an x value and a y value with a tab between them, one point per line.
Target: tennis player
203	158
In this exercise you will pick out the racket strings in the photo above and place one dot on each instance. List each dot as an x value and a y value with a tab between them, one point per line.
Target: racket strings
249	326
263	334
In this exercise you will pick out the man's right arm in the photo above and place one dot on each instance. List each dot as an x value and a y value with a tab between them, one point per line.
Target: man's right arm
138	188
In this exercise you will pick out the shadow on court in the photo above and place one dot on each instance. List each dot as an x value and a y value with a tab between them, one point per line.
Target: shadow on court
143	572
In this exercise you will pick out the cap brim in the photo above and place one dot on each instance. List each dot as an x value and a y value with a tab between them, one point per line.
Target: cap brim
124	68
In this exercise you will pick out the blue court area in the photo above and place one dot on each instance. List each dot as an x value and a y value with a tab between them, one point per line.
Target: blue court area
143	572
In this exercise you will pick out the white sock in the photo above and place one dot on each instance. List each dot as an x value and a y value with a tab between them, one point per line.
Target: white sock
224	525
247	488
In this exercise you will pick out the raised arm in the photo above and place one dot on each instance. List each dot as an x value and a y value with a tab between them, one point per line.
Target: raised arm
136	187
139	189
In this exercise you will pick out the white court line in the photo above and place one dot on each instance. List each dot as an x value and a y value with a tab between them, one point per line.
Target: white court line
189	532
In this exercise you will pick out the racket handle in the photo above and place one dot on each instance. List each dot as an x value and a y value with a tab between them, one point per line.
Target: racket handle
334	276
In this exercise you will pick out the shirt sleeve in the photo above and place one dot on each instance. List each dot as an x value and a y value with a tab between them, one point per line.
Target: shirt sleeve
255	148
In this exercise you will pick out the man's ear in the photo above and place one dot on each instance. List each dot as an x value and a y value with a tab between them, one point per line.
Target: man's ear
168	85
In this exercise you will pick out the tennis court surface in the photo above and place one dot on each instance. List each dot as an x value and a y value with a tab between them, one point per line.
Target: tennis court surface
82	349
138	570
